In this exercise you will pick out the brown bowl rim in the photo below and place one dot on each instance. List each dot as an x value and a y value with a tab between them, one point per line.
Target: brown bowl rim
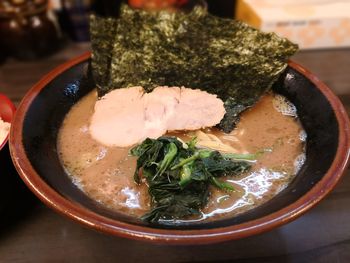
171	236
7	101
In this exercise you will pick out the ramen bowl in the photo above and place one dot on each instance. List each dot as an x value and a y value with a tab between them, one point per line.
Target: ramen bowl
33	144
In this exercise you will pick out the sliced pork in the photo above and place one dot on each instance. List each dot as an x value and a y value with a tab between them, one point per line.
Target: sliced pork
118	118
125	117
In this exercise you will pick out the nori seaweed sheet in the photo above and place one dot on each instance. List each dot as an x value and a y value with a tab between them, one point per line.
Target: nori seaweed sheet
196	50
103	32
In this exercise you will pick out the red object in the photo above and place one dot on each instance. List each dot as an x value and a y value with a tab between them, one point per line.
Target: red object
7	111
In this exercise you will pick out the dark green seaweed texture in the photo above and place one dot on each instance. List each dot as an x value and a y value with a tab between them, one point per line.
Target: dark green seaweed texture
196	50
103	32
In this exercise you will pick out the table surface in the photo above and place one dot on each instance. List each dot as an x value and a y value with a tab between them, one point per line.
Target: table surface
31	232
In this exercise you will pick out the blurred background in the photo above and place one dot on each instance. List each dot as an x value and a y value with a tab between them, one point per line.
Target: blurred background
31	30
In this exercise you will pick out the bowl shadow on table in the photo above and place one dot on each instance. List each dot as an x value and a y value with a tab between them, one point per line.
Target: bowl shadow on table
16	201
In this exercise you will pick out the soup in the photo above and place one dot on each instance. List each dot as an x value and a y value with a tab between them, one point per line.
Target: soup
105	174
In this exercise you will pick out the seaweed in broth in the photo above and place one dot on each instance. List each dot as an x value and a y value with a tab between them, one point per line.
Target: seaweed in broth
105	174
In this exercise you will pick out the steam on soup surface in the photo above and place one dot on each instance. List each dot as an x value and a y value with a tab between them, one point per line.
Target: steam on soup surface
105	174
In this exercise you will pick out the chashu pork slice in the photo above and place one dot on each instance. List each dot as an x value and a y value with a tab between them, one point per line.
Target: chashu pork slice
160	106
119	119
124	117
197	109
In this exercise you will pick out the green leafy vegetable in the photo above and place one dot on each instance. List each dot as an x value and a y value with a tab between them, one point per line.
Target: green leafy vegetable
221	185
179	175
195	50
170	151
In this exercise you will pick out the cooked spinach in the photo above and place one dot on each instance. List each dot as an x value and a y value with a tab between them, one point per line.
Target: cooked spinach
179	175
196	50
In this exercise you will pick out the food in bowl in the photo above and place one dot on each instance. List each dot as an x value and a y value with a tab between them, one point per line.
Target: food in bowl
4	130
106	173
203	168
7	110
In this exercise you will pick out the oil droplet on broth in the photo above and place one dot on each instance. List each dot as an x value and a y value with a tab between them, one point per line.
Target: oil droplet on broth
106	174
132	200
299	162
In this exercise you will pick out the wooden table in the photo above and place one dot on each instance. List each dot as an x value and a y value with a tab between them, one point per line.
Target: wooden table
34	233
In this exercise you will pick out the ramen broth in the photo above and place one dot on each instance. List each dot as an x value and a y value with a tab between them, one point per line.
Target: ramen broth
105	174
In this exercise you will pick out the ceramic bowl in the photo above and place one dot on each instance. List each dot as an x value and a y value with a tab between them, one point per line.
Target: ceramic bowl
33	149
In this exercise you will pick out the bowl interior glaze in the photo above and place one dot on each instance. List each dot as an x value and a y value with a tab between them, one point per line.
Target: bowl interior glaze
45	106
